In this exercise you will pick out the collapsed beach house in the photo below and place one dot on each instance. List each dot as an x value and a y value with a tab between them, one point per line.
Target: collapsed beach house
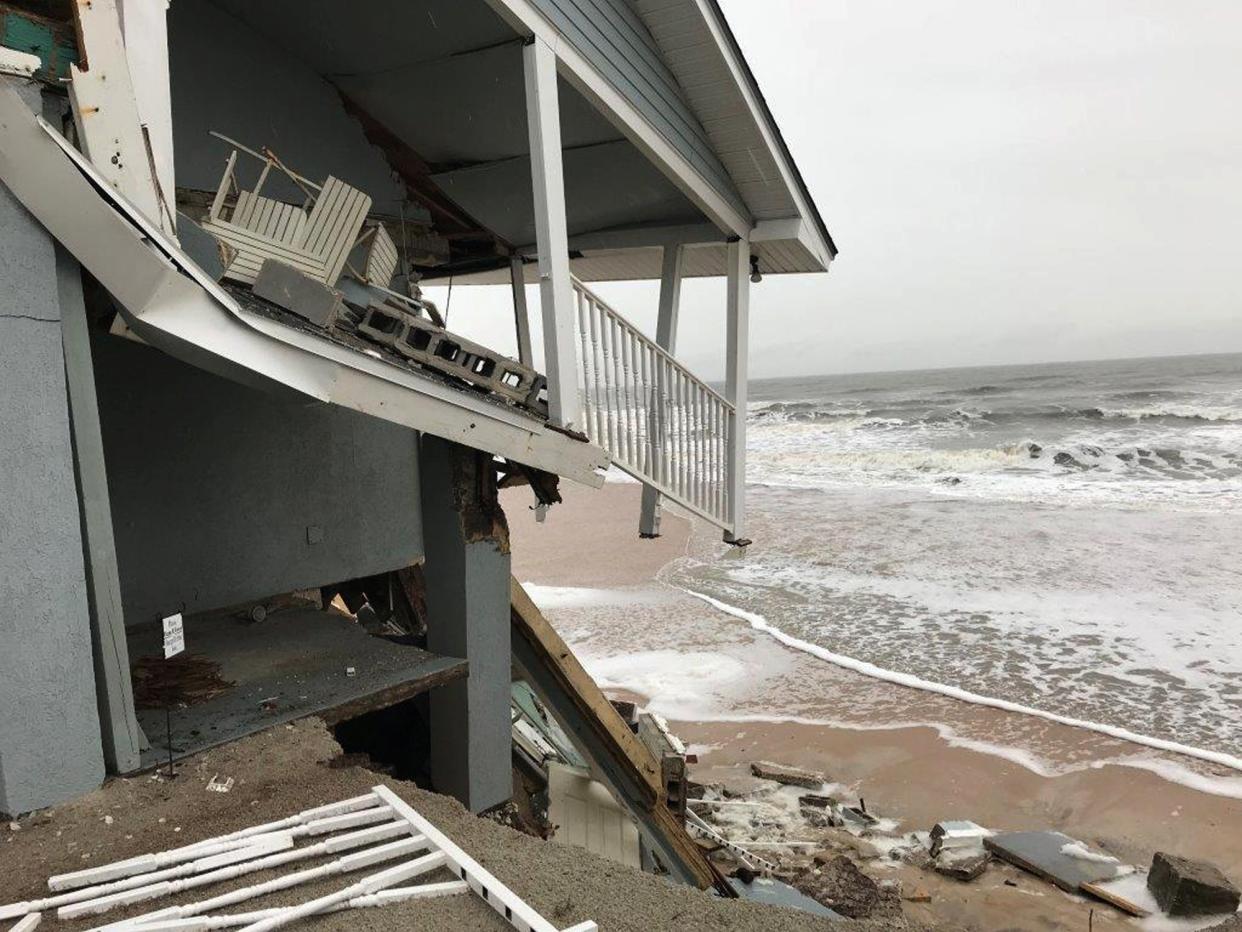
224	390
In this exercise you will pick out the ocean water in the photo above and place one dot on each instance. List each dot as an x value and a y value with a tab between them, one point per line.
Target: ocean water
1065	537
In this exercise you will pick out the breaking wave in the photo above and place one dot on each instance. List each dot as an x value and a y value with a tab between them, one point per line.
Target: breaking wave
759	623
900	414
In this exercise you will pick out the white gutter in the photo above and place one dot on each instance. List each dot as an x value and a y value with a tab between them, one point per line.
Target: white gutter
174	305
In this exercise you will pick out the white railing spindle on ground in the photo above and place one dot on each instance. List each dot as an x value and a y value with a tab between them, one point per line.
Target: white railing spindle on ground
657	420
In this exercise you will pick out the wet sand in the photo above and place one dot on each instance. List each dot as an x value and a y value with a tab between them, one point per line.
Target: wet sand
289	768
1054	777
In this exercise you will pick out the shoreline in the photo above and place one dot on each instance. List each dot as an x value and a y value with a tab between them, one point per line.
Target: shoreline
915	755
864	668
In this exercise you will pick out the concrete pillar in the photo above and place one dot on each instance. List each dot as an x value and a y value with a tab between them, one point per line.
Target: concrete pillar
49	728
123	740
467	544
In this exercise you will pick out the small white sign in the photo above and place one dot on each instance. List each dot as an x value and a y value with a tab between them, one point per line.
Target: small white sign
174	635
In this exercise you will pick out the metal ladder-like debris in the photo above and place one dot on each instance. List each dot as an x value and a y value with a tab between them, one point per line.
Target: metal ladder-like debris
384	828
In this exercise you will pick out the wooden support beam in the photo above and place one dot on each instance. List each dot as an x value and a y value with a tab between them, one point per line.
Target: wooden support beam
737	348
105	109
614	753
666	338
555	286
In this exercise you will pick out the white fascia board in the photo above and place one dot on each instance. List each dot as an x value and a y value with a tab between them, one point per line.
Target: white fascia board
794	229
144	25
812	238
173	305
522	16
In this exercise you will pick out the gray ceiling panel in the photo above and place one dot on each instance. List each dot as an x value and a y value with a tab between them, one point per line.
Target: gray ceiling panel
606	186
469	108
369	37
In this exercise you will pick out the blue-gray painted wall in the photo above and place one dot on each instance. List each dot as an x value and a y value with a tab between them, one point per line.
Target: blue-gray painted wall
50	745
223	493
614	39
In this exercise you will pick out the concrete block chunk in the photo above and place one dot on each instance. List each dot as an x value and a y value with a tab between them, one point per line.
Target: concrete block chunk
790	776
951	835
1184	887
962	864
299	294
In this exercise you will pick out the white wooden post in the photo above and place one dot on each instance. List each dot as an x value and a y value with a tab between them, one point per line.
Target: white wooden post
144	24
555	288
666	338
105	109
521	317
737	347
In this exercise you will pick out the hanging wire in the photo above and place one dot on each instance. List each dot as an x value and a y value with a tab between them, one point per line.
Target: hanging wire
448	301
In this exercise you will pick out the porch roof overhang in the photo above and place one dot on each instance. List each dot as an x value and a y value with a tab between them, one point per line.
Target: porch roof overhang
656	97
173	305
773	205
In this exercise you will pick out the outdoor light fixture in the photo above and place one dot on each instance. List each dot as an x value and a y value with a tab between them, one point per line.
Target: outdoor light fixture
755	275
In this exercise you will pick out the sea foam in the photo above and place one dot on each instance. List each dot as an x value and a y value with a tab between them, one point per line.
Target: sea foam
759	623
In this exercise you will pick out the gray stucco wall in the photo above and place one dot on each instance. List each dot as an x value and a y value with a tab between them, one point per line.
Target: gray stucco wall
614	39
49	725
222	493
227	77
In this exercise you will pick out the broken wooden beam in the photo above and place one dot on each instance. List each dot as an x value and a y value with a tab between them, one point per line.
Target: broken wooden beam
614	753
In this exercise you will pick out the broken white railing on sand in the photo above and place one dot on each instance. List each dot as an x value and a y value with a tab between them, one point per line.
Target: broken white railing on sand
386	828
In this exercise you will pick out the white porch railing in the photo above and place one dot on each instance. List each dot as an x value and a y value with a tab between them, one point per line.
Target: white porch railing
656	419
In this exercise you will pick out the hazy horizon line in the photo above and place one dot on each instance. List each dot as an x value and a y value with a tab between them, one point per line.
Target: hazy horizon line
998	365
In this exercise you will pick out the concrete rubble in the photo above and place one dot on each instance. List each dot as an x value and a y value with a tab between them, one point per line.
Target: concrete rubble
955	835
788	776
1184	887
842	886
962	864
1232	924
822	846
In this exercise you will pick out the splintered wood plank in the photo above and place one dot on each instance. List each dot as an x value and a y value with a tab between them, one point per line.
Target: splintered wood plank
615	754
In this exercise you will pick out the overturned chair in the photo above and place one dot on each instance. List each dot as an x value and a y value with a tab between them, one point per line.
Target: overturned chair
316	239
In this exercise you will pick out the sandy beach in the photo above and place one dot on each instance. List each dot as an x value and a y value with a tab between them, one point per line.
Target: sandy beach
737	695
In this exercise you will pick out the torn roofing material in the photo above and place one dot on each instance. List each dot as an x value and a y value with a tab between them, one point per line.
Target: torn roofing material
173	305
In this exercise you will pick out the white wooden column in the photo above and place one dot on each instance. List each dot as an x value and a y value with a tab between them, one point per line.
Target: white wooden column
144	24
556	291
666	338
105	109
737	348
521	316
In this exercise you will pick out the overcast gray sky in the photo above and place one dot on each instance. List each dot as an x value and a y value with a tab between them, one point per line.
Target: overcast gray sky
1008	181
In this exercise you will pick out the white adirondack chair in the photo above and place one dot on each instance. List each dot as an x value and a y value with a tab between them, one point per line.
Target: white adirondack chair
316	242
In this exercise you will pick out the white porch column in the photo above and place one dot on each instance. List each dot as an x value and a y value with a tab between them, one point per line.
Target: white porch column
144	24
556	291
737	347
666	339
521	316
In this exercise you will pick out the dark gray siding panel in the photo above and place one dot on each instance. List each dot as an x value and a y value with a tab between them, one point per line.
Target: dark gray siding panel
612	37
223	493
